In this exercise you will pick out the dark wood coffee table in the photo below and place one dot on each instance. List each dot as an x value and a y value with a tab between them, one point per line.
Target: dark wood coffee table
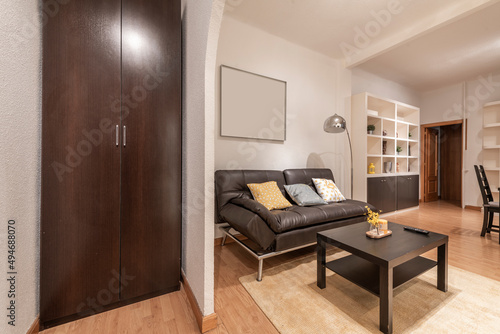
381	265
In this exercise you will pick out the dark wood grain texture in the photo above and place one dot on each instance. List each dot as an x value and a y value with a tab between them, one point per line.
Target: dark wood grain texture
391	261
381	193
80	161
431	165
407	191
451	162
151	159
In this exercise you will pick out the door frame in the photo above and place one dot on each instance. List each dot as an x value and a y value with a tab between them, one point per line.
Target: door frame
422	155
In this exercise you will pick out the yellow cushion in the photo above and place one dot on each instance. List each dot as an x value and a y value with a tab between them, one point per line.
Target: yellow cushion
328	190
269	195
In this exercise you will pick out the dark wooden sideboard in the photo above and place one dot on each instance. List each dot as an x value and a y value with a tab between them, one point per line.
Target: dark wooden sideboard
393	193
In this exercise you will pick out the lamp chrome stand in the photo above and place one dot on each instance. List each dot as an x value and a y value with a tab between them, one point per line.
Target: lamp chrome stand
337	124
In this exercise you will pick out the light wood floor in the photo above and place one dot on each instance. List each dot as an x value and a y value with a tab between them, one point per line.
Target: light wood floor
237	311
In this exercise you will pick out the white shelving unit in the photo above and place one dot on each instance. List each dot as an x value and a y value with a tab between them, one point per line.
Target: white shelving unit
401	124
491	145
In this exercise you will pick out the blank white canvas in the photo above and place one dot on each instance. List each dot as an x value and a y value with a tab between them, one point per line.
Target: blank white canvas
252	106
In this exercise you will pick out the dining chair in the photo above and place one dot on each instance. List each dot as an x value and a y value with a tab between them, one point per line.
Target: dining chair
490	207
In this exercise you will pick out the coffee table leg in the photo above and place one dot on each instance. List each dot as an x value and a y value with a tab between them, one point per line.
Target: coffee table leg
321	261
386	289
442	265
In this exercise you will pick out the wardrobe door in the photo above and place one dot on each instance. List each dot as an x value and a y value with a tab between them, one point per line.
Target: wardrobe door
80	160
151	160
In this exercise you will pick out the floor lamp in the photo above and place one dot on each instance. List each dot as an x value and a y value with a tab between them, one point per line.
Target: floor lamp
337	124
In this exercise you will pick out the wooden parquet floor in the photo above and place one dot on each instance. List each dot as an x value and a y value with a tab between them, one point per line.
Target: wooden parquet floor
236	310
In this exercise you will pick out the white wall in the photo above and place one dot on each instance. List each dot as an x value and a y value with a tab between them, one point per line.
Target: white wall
20	125
363	81
201	23
446	104
317	87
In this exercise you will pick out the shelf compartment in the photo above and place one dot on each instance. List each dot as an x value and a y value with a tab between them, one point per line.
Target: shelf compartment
491	137
413	165
366	274
413	129
371	120
390	146
404	145
377	161
384	108
408	114
413	149
402	131
392	169
491	113
389	126
491	158
374	145
403	165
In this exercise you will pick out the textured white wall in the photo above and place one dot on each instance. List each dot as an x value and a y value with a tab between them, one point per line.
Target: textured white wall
363	81
446	104
20	118
201	22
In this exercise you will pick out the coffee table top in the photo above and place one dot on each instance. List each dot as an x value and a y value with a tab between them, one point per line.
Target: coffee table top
393	250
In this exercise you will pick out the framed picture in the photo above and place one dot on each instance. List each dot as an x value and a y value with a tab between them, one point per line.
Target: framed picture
252	105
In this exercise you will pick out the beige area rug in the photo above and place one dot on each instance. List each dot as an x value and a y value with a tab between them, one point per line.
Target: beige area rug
289	297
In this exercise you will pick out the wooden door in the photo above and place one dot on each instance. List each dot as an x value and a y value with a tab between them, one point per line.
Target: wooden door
451	162
80	160
151	159
431	165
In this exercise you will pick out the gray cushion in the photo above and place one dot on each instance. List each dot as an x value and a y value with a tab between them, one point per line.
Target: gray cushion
304	195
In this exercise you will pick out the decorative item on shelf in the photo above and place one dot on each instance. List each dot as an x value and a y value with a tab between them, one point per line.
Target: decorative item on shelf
409	169
376	232
384	147
370	129
397	167
409	134
409	150
371	168
384	133
399	149
388	167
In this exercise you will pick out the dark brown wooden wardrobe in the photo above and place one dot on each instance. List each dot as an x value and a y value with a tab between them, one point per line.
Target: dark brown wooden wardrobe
111	156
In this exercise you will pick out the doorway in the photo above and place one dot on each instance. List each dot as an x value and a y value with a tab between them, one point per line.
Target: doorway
442	157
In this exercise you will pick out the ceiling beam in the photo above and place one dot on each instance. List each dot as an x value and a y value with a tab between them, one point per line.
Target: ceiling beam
454	13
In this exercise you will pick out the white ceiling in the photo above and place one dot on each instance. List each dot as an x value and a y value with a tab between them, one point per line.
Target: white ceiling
424	45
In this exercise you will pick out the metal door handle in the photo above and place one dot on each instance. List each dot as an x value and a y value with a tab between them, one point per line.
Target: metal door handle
117	136
124	136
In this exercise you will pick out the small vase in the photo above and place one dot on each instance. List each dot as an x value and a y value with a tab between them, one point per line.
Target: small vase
370	132
374	229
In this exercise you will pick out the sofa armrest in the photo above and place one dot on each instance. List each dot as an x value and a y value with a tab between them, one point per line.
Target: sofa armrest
248	223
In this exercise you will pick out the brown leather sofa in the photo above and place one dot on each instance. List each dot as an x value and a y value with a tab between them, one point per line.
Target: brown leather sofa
274	232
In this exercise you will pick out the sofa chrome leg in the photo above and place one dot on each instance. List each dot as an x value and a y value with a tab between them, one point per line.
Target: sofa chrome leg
223	242
259	273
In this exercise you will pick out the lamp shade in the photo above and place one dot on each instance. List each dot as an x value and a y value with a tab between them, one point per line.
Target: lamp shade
334	124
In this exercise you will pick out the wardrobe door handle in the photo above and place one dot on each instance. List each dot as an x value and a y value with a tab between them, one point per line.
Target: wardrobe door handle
117	136
124	136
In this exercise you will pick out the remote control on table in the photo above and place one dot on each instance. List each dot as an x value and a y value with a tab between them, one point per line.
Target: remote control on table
417	230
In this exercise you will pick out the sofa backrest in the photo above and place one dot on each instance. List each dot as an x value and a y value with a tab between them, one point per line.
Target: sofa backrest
305	175
231	184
